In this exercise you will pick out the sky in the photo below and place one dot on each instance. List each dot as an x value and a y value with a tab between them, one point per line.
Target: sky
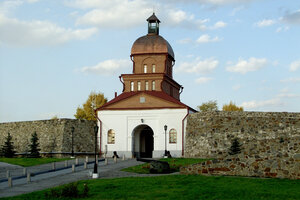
54	53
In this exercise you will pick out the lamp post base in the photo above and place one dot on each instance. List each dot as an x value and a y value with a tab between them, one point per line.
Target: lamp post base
95	175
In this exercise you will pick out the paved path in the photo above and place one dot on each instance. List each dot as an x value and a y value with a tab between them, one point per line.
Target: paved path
51	179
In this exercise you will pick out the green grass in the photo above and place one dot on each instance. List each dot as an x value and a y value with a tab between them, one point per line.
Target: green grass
185	187
175	164
27	162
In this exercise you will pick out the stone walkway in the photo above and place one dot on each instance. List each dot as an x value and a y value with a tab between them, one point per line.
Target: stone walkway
60	177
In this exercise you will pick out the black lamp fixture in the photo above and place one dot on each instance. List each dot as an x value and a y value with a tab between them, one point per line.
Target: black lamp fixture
165	127
95	173
72	131
142	120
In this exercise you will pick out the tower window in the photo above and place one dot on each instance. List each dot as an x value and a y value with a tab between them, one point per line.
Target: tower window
146	85
131	86
153	85
139	86
153	68
145	68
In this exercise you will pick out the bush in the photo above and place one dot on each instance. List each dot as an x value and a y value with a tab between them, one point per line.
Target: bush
68	191
7	149
34	150
235	147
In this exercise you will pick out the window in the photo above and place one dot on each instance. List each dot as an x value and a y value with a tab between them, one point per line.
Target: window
153	85
153	68
111	136
131	86
139	85
142	99
173	136
145	68
146	85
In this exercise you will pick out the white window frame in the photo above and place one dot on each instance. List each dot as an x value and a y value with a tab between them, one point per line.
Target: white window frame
139	85
131	86
153	68
153	85
146	85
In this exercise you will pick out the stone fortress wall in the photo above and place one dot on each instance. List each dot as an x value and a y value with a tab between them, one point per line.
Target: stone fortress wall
54	135
270	143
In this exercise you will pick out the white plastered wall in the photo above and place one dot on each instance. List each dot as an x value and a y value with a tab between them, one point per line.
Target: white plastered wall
124	123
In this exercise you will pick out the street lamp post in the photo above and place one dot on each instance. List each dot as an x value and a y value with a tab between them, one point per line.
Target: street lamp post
165	127
95	174
72	130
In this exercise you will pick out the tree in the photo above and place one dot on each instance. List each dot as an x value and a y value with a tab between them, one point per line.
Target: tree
232	107
87	111
34	150
7	149
208	106
235	147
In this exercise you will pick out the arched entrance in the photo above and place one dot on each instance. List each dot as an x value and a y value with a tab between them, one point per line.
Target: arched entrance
143	142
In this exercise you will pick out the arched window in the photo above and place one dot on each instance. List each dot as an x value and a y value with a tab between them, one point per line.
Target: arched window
173	136
146	85
111	136
153	85
139	86
153	68
145	68
131	86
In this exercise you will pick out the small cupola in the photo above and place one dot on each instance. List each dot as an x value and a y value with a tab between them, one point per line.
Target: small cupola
153	25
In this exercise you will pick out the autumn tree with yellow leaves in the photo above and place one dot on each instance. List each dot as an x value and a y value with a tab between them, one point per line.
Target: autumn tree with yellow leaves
87	111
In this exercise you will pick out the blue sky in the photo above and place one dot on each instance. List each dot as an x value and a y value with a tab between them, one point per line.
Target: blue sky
53	53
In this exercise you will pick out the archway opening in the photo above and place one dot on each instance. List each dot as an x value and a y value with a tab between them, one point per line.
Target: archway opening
143	142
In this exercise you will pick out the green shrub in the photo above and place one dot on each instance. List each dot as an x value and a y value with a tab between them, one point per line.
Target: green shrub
7	149
67	191
235	147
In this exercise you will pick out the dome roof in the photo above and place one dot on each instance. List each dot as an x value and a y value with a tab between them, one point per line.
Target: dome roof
151	43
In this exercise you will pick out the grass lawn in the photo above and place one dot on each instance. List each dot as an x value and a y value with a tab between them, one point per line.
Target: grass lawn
175	164
27	162
185	187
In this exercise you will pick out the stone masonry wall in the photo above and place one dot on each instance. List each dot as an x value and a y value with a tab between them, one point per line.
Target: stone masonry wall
209	135
54	135
270	144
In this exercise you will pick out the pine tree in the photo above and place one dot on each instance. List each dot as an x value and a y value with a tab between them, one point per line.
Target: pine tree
34	150
235	147
7	149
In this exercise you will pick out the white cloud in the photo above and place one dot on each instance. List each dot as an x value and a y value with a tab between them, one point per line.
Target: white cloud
107	67
292	18
260	104
294	66
215	2
290	80
206	38
281	29
198	66
130	13
35	33
219	24
245	66
265	22
202	80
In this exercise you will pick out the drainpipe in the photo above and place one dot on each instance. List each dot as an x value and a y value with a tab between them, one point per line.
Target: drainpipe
183	131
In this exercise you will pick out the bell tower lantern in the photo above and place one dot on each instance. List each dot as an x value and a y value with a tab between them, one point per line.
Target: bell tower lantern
153	24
